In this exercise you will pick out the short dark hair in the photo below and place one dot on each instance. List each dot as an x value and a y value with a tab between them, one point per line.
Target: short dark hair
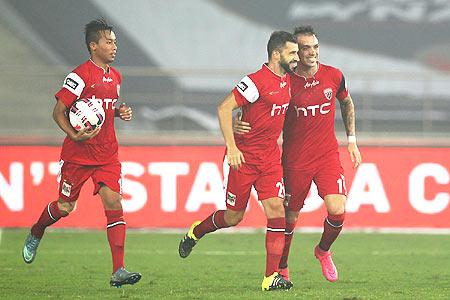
304	30
92	31
278	40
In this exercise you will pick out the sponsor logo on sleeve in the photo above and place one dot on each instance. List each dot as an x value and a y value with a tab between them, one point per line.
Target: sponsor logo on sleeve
242	86
71	83
231	199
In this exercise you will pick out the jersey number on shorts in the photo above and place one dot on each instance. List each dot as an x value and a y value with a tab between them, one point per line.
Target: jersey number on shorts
341	185
280	187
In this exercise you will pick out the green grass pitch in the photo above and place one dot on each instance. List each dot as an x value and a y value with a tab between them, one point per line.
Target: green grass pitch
77	265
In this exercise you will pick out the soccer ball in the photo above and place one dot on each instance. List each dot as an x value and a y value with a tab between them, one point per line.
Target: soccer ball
85	113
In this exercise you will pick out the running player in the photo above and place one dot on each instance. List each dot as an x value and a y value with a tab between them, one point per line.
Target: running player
254	158
91	154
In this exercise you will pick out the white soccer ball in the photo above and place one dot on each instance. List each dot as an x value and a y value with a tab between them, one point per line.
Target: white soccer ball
85	113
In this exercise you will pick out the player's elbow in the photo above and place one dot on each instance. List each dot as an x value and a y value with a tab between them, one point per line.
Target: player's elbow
56	114
221	109
59	111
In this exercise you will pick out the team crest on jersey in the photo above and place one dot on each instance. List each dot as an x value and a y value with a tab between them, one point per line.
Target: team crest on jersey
242	86
231	199
283	84
66	188
71	83
107	79
328	93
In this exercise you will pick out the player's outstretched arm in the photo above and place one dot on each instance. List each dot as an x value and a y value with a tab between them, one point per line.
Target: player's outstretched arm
348	116
124	112
225	114
60	117
239	126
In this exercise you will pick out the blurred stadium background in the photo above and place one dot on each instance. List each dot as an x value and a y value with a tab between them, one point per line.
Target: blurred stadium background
179	59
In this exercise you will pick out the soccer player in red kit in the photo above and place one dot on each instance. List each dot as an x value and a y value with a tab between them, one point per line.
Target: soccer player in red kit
91	154
310	148
254	158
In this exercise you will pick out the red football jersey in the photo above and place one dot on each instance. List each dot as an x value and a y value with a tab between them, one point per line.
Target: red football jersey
264	97
308	133
91	81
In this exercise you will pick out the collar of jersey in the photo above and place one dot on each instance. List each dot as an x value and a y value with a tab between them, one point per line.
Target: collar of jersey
265	67
314	75
104	72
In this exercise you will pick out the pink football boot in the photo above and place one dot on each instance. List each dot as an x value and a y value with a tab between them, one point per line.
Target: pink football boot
328	268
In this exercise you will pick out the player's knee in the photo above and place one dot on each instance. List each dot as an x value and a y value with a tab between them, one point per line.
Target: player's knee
291	216
336	209
336	205
113	203
274	208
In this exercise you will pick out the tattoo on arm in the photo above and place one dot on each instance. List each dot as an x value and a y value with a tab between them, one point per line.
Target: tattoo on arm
348	115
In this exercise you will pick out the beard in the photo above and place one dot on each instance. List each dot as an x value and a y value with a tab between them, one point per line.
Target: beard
285	66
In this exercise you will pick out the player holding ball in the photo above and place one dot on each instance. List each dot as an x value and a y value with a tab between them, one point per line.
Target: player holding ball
90	153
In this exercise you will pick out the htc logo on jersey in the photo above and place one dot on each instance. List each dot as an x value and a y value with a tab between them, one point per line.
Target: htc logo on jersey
279	109
109	103
312	109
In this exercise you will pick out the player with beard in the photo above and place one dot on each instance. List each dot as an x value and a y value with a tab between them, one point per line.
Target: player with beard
254	158
90	154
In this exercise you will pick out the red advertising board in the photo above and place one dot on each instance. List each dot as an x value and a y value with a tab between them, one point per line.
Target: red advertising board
169	187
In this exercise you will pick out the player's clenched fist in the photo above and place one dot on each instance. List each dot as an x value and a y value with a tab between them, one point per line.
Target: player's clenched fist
235	157
125	112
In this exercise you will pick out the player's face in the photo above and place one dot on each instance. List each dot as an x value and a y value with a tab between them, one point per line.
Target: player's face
308	50
106	48
289	57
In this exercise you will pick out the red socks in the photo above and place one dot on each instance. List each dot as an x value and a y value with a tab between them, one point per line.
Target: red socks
213	222
115	231
274	244
49	216
288	235
332	226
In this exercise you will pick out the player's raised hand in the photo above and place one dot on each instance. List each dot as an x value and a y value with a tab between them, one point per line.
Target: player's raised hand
85	134
355	156
239	126
125	112
235	157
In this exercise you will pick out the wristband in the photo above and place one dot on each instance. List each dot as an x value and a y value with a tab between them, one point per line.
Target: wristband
351	139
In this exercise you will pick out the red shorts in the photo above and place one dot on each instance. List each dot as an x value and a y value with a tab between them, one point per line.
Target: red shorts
267	180
73	176
328	176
